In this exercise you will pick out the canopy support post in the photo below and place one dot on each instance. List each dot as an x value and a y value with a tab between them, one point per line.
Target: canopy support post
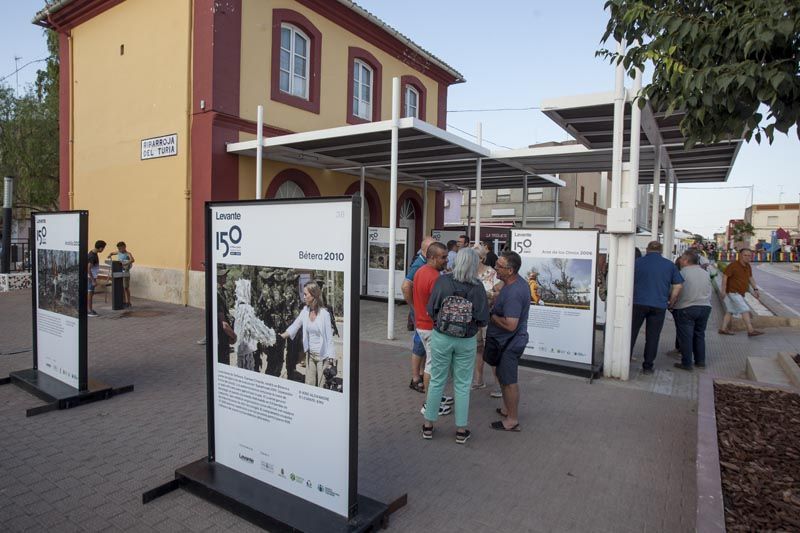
393	204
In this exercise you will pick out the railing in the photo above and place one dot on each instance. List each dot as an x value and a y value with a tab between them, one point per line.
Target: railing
762	257
20	255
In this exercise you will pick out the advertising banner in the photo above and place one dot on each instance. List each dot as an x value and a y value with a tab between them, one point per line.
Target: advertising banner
560	267
378	261
283	357
60	293
444	235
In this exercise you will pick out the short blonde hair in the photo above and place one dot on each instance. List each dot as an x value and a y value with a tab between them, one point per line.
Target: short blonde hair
481	251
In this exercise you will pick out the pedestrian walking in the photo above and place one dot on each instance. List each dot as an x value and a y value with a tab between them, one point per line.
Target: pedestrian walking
691	312
507	336
736	281
459	308
656	286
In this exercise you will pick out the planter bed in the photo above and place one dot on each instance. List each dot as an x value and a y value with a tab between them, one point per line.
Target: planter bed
758	433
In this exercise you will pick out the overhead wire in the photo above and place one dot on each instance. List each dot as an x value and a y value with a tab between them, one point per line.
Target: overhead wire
475	137
4	78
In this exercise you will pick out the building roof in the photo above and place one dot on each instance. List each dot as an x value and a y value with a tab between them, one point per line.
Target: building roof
42	16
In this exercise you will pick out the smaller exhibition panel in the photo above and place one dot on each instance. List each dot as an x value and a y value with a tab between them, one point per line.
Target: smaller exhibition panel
378	261
560	268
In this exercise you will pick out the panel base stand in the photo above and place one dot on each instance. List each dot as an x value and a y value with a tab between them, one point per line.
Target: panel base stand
267	506
58	394
567	367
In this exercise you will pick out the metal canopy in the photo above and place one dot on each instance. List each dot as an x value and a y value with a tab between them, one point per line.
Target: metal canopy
426	153
590	119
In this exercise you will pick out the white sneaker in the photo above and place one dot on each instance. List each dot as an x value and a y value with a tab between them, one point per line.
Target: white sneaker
447	400
443	409
497	393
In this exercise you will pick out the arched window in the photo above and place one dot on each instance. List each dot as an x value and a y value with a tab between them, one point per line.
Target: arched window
412	102
362	90
289	189
294	62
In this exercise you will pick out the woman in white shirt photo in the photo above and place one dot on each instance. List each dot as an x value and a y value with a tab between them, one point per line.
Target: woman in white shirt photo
316	321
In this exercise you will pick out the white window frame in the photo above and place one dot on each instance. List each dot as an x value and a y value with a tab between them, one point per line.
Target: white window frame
295	31
362	108
535	194
503	197
407	112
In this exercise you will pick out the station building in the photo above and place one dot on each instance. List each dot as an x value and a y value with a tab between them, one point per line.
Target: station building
152	92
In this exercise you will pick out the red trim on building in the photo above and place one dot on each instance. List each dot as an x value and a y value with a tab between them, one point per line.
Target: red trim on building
280	16
249	126
353	53
373	200
416	200
415	82
64	87
441	108
77	12
215	67
303	180
379	37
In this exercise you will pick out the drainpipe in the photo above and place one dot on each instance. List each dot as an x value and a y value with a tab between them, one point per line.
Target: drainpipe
187	192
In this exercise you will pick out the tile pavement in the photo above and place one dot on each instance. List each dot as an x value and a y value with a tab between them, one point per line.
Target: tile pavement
610	456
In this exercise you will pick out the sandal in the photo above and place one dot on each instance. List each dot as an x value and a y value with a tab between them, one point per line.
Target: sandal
500	412
500	427
726	332
427	432
463	436
417	385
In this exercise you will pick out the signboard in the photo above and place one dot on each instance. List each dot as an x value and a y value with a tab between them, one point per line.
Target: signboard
283	351
378	261
164	146
560	267
444	235
59	259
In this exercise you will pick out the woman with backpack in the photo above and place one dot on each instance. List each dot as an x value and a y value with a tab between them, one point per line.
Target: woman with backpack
458	307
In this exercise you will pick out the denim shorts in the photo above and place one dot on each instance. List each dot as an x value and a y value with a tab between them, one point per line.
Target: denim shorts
507	368
417	348
90	284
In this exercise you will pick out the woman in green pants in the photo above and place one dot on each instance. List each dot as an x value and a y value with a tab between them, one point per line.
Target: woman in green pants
459	308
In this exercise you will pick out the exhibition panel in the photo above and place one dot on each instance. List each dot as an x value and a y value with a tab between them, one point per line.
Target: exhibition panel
378	261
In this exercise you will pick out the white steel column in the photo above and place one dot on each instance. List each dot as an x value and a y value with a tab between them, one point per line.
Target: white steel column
625	247
259	151
656	195
393	203
556	213
613	239
424	210
478	172
364	226
524	200
604	191
672	216
667	217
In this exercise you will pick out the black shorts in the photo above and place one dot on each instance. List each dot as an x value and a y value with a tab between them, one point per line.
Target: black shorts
507	367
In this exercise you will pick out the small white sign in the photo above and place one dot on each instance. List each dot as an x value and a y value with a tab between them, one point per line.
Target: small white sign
164	146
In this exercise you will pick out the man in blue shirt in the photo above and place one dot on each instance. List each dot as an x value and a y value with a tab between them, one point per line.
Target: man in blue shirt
417	349
656	285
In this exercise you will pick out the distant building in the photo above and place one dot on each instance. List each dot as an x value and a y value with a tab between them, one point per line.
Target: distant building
767	218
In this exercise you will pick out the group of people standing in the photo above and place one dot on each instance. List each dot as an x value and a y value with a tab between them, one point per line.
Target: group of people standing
684	287
466	312
124	256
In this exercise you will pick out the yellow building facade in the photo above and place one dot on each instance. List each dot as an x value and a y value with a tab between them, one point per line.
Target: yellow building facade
138	73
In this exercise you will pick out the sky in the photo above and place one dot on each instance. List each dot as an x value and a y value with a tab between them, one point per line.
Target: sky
513	54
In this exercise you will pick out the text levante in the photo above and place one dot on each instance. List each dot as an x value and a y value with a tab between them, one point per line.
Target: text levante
229	216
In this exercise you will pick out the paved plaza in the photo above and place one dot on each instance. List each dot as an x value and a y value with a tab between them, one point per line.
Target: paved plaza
608	456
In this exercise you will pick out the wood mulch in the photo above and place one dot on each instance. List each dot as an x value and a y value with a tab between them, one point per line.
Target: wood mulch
759	451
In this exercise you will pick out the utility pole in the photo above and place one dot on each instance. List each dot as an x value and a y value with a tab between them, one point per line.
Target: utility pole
16	74
8	200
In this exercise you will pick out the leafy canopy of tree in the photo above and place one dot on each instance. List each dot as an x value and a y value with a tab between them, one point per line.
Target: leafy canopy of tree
718	60
29	136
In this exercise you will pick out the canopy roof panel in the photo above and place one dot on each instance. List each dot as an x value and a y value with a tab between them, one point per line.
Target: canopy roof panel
425	152
590	119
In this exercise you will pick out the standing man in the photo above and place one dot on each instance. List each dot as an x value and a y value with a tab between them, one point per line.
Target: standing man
417	349
424	280
508	328
461	242
225	334
93	269
656	286
691	312
452	251
736	280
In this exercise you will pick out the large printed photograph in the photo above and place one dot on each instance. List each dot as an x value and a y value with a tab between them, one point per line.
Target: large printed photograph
58	273
379	256
558	282
283	322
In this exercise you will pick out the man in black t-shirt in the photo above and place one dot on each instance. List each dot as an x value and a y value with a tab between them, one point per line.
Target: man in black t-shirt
92	269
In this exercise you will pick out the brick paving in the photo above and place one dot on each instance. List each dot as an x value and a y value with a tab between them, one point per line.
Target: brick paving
610	456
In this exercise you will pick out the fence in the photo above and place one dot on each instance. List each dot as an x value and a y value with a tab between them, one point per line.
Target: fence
762	257
20	255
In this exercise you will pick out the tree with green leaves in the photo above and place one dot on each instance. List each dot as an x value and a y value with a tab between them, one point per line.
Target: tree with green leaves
722	62
29	136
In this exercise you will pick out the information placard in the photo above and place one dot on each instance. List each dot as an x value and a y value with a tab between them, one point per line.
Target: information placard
283	356
60	294
560	268
378	261
444	235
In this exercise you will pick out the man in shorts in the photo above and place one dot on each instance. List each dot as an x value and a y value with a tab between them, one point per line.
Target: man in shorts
508	327
417	348
93	269
736	280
